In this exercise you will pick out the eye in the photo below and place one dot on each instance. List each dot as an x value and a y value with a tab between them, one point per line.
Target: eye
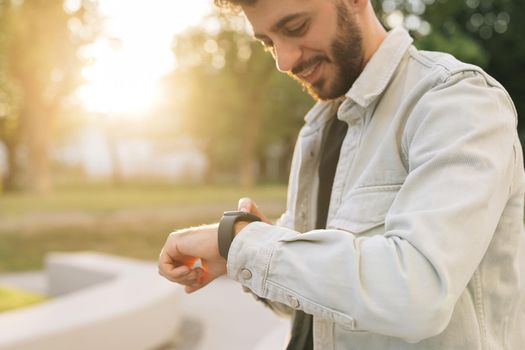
298	29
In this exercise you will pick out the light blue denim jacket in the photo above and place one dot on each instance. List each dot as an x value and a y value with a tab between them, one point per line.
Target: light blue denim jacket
424	247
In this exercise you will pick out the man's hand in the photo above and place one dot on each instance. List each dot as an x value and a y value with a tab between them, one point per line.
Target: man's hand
186	245
249	206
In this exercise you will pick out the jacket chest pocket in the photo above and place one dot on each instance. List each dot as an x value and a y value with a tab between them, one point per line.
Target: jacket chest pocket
364	209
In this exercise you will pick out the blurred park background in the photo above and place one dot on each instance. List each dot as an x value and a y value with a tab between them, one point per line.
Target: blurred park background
121	121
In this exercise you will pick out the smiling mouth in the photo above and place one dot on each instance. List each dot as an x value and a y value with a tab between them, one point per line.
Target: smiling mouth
308	73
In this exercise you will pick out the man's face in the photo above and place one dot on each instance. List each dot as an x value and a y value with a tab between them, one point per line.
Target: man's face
317	42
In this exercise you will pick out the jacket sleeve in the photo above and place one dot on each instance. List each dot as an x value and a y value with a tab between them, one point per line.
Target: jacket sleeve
278	308
405	282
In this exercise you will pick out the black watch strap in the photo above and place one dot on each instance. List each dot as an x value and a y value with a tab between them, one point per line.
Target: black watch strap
226	229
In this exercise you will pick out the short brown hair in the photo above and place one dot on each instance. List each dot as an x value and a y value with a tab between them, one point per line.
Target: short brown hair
233	4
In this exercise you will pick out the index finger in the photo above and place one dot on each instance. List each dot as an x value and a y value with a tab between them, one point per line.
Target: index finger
170	268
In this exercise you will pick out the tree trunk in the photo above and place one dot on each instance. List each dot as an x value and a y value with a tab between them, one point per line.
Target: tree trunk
252	124
116	169
10	181
211	169
251	131
37	138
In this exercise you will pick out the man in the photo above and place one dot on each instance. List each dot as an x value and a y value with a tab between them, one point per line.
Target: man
404	221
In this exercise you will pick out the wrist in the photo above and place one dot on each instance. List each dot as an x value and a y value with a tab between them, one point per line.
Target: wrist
229	226
239	225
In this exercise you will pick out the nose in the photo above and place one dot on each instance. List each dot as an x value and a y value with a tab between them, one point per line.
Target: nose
286	55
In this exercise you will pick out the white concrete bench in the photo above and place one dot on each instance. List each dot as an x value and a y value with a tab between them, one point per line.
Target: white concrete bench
99	302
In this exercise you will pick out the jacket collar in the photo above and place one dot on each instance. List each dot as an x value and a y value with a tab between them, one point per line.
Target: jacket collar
380	69
372	81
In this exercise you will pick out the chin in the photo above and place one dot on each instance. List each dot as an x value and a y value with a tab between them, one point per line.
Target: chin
324	92
320	91
323	95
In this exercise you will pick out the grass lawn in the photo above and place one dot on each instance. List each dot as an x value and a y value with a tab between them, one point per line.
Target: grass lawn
12	298
106	198
130	221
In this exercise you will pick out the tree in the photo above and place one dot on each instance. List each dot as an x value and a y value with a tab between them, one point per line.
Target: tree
232	99
229	96
488	33
40	66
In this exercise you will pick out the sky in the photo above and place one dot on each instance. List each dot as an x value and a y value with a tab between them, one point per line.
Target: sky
134	52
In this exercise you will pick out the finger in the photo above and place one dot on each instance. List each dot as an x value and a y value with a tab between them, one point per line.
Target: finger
248	205
258	213
185	279
172	262
191	289
165	264
189	279
180	272
167	261
202	280
245	204
172	273
175	270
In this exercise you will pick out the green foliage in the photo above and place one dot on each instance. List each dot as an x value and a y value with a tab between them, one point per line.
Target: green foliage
460	45
39	69
488	33
231	85
233	100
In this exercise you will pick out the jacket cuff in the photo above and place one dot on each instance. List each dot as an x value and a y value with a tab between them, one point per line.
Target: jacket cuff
251	252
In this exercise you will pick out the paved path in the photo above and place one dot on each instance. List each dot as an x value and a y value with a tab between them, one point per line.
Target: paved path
226	318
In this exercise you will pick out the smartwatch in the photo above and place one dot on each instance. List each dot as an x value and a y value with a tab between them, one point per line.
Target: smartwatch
226	231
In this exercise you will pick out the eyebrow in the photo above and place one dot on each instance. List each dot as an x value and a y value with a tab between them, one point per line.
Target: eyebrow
280	24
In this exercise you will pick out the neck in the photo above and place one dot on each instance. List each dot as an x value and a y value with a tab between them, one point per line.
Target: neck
373	35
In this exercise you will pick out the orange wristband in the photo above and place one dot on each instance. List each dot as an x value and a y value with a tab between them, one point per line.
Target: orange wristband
197	263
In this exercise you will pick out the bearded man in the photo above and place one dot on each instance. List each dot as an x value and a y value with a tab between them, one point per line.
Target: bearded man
404	220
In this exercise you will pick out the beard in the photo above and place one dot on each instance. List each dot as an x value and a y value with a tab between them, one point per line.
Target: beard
346	52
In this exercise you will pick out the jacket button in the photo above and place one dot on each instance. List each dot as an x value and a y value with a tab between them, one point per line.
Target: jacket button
294	302
246	274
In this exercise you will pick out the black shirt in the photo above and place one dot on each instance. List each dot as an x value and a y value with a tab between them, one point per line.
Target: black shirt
302	329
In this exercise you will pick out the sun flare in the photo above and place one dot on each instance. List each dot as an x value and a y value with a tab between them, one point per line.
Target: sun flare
133	53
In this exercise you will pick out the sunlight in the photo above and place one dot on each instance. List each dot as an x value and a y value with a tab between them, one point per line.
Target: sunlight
134	53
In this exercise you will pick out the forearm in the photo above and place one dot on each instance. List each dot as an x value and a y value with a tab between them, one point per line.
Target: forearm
381	284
